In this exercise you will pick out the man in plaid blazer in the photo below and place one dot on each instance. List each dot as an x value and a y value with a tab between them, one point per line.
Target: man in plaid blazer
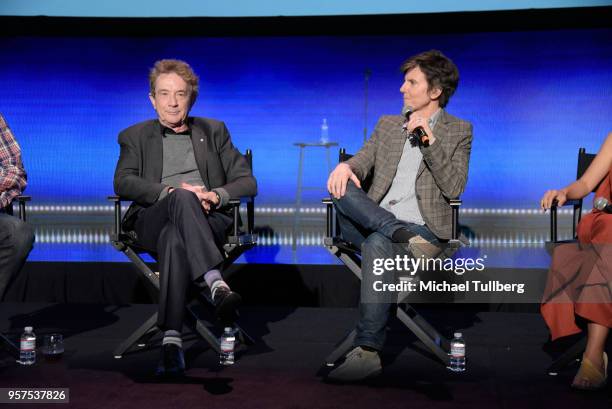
406	209
16	237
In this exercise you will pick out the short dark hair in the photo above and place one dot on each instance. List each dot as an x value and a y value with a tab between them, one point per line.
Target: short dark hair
180	68
439	71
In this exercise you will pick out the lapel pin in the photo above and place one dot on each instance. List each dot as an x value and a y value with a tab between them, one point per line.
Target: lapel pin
201	140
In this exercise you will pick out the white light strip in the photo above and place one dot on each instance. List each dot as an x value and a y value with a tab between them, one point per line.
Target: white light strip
283	238
69	209
72	236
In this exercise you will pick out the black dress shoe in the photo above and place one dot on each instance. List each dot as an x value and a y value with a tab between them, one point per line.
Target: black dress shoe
171	361
226	305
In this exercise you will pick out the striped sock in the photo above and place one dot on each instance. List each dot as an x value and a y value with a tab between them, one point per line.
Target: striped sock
173	337
211	276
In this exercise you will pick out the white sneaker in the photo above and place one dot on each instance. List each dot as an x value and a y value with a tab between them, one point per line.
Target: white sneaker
359	364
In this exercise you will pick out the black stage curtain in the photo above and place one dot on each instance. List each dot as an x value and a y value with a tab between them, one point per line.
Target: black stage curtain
121	283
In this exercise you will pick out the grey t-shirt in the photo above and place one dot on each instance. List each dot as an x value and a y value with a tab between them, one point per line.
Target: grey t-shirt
179	164
401	198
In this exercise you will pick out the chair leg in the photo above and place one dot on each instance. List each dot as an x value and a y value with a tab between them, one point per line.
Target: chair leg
243	336
10	347
149	328
438	344
341	348
196	325
142	266
146	329
350	260
435	342
572	354
142	342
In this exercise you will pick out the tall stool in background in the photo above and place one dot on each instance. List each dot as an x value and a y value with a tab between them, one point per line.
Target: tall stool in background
300	185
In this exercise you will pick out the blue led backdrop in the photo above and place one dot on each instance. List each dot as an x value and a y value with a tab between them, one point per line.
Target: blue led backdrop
534	98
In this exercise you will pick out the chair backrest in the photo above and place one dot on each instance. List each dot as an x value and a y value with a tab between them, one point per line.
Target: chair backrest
365	184
249	158
21	199
584	161
251	203
118	235
343	156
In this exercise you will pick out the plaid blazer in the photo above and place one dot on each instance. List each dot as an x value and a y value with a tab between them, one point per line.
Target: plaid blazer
442	174
13	178
139	168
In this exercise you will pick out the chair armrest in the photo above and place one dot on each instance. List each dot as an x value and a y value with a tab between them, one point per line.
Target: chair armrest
455	204
241	199
329	225
235	204
117	216
570	202
329	217
576	203
22	199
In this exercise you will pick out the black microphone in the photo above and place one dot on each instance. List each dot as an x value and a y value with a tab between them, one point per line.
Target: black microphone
601	203
418	136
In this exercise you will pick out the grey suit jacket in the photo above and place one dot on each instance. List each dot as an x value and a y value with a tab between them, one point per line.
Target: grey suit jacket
139	168
442	174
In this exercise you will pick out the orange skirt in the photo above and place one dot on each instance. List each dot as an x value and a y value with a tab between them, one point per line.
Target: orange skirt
579	278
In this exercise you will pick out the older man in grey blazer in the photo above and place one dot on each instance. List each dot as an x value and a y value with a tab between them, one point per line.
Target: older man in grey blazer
417	165
180	172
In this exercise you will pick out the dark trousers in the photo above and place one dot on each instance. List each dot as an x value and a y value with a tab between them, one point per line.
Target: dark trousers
368	226
16	240
187	244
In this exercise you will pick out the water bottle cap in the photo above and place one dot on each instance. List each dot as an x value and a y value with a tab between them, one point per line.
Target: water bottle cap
457	334
28	329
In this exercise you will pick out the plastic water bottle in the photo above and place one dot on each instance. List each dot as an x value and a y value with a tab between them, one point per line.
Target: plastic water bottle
27	347
457	353
228	341
324	131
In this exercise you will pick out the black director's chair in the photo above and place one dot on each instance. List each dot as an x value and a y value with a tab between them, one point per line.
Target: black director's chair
584	161
574	352
237	243
350	256
7	343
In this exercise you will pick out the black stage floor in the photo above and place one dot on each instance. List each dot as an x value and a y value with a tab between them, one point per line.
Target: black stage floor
506	363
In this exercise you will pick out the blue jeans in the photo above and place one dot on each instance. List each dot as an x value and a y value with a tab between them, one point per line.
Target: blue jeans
367	225
16	240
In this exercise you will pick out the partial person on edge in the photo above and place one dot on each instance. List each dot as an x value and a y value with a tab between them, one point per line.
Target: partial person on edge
580	276
16	237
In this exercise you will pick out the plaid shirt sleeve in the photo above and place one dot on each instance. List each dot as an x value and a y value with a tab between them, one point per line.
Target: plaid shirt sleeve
13	177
